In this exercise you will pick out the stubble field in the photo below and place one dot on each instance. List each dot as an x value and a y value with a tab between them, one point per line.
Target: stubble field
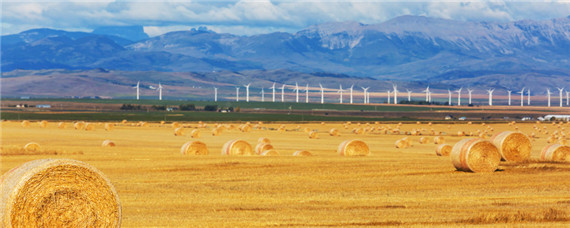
158	186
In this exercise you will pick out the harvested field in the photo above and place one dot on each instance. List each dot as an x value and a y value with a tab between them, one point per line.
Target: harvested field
159	186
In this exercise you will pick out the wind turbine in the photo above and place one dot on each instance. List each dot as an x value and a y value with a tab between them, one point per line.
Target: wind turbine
470	91
297	92
307	93
459	96
138	90
365	94
522	96
262	95
395	93
283	93
567	100
528	92
237	93
215	94
409	95
548	95
509	92
560	89
322	94
427	93
449	92
490	91
247	92
273	88
388	96
351	93
159	91
340	90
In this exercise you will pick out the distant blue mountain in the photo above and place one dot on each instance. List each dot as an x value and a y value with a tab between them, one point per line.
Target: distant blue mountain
133	33
404	48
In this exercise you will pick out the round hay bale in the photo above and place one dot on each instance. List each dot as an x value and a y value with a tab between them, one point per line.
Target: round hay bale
555	152
460	133
475	155
438	140
123	121
179	131
400	143
259	148
353	147
58	193
89	127
32	146
270	153
216	131
25	123
109	126
443	150
175	125
245	128
61	125
43	124
302	153
263	140
79	125
237	147
195	134
313	135
307	130
323	123
424	140
194	148
108	143
513	146
333	132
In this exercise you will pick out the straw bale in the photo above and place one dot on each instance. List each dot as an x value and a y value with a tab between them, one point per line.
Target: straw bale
333	132
443	150
32	146
109	126
237	147
25	123
79	125
175	125
61	125
270	153
108	143
89	127
58	193
460	133
194	148
475	155
555	152
43	123
263	140
401	143
353	147
424	140
513	146
323	123
179	131
216	131
245	128
259	148
302	153
195	134
307	130
313	135
123	121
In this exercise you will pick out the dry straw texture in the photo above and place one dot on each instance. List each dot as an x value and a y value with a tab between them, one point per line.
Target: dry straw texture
513	146
439	140
262	147
32	146
195	134
216	131
179	131
424	140
108	143
43	124
194	148
443	150
353	148
25	123
109	126
270	153
313	135
263	140
61	125
237	147
302	153
475	155
555	152
89	127
175	125
58	193
401	143
79	125
333	132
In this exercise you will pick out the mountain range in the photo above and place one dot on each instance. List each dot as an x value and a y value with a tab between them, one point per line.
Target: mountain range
406	48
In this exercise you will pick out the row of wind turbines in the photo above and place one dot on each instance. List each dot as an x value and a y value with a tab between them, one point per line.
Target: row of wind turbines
366	94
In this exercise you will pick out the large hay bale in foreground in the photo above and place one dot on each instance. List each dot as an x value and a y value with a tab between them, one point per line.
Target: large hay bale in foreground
513	146
333	132
302	153
25	123
32	146
443	150
58	193
353	147
194	148
271	152
438	140
259	148
475	155
237	147
195	134
555	152
108	143
263	140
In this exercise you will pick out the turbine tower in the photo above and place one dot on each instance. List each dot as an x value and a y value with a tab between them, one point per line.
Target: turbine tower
351	93
340	90
273	88
159	91
427	93
365	94
409	95
522	96
283	93
138	89
388	92
395	93
459	96
567	100
307	93
509	92
560	90
297	92
490	91
247	92
470	91
449	92
528	92
262	95
237	93
548	95
215	94
322	94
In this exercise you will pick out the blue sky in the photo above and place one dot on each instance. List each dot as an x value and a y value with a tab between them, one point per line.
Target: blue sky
248	17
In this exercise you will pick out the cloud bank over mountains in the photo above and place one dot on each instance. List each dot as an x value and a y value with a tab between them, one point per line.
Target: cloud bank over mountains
249	17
